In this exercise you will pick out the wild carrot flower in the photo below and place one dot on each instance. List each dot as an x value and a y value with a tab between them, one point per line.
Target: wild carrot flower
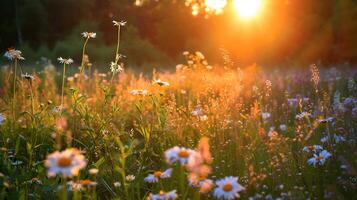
12	54
163	195
161	83
115	67
319	159
130	178
180	154
2	119
228	188
152	178
66	163
313	148
89	35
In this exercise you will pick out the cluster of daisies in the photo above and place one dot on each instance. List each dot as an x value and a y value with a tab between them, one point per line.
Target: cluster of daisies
197	165
319	155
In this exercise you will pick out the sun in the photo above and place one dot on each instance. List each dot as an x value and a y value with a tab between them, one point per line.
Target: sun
247	8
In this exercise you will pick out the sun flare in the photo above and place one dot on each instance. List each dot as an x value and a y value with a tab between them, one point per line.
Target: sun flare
247	8
216	5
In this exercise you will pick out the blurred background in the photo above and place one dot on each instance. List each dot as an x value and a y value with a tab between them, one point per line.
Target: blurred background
285	33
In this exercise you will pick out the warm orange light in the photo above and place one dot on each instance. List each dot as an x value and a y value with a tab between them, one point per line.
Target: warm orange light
247	8
216	5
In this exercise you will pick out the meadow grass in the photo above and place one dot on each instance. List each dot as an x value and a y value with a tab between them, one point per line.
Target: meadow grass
101	135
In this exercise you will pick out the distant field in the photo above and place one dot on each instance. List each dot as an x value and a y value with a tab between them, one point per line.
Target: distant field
202	132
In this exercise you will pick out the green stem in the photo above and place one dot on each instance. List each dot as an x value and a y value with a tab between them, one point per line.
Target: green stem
64	189
63	80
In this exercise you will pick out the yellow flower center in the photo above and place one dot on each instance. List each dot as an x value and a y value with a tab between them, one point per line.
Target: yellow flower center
319	158
86	182
183	154
161	192
64	162
227	187
157	174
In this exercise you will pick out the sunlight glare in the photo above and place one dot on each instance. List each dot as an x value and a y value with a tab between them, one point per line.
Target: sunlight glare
247	8
216	5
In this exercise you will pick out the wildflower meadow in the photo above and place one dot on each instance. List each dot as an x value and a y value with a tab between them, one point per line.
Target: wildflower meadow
69	130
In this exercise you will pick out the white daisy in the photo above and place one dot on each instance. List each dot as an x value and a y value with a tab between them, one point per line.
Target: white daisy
161	83
28	76
228	188
13	54
180	154
163	195
66	163
67	61
121	23
89	35
313	148
153	178
319	159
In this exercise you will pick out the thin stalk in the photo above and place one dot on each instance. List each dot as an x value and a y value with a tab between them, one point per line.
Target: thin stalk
117	50
14	92
63	80
83	52
32	100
